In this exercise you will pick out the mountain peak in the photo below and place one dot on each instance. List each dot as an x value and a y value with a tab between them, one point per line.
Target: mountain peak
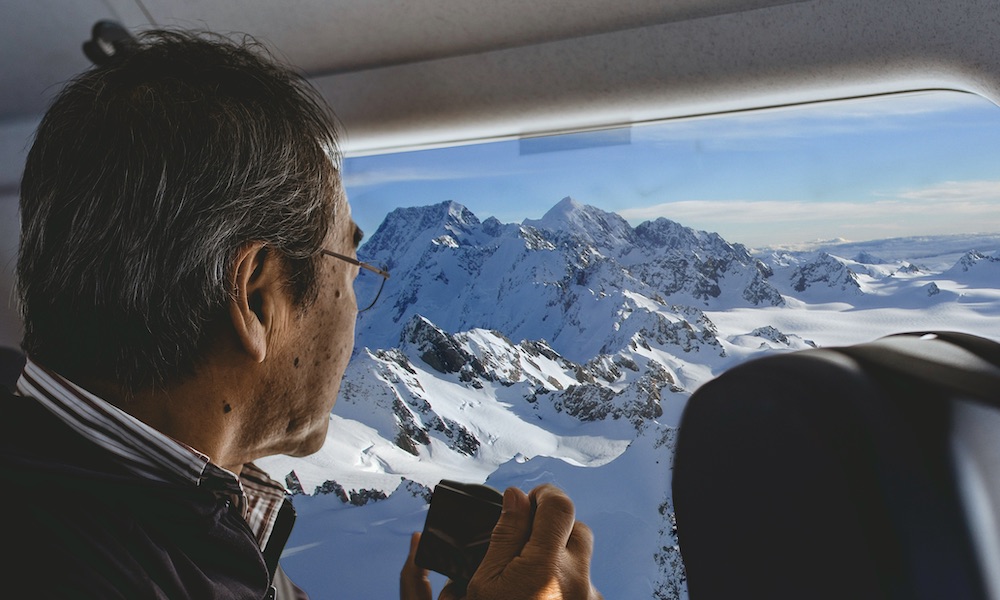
567	204
567	214
457	211
603	229
408	227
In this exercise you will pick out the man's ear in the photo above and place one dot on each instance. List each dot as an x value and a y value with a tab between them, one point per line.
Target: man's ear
258	298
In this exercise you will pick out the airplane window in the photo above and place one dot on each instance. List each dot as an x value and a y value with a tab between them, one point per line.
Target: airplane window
554	301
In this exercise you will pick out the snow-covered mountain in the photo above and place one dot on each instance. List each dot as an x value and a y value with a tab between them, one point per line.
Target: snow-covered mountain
573	278
564	349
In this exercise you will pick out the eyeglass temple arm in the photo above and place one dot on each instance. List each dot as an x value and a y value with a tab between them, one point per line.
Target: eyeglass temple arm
373	269
357	262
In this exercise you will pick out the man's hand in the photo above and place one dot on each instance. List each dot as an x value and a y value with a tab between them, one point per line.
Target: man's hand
413	581
538	551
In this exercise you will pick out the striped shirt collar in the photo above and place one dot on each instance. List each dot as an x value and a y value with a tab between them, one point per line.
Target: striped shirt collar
150	454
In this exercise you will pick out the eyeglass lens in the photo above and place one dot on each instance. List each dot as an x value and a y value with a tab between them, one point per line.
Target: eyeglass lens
367	288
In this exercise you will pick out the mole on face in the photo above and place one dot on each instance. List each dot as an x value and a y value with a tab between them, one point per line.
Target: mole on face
296	362
226	408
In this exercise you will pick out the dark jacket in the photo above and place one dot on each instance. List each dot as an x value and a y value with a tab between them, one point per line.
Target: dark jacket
77	525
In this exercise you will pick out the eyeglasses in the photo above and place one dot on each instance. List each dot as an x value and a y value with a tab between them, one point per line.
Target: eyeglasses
363	286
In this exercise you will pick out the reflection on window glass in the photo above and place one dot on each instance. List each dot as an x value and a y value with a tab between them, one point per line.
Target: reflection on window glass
554	302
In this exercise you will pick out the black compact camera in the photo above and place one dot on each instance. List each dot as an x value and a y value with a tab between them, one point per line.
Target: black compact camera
457	529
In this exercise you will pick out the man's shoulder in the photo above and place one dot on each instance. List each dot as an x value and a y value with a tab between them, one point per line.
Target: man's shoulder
34	443
28	427
83	519
57	470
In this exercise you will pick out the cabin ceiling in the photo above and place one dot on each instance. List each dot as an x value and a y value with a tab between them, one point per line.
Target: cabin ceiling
320	37
405	74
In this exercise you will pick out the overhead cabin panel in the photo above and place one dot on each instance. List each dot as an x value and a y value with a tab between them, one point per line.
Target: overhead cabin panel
789	53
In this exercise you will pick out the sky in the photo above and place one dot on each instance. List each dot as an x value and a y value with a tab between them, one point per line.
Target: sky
892	166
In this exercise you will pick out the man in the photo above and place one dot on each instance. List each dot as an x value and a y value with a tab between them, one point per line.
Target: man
186	283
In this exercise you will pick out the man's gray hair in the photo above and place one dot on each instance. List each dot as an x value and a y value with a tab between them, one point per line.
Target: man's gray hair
145	178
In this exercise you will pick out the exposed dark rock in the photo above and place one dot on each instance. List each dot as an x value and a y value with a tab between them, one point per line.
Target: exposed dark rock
439	350
355	497
293	484
825	272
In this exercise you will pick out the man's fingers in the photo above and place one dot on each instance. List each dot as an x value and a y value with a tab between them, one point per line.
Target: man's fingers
413	581
452	591
538	550
509	535
554	519
581	541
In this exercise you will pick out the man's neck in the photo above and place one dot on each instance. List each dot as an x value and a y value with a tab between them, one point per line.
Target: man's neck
191	412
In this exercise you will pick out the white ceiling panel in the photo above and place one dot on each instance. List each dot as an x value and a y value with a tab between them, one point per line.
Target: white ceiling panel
42	38
338	35
413	73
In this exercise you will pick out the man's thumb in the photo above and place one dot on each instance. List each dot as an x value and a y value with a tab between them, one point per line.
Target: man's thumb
509	536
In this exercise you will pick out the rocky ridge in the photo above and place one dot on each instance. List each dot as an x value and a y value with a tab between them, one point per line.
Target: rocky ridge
572	275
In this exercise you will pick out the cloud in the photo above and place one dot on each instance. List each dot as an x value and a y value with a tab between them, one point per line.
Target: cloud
382	176
441	167
755	211
951	207
974	197
956	191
